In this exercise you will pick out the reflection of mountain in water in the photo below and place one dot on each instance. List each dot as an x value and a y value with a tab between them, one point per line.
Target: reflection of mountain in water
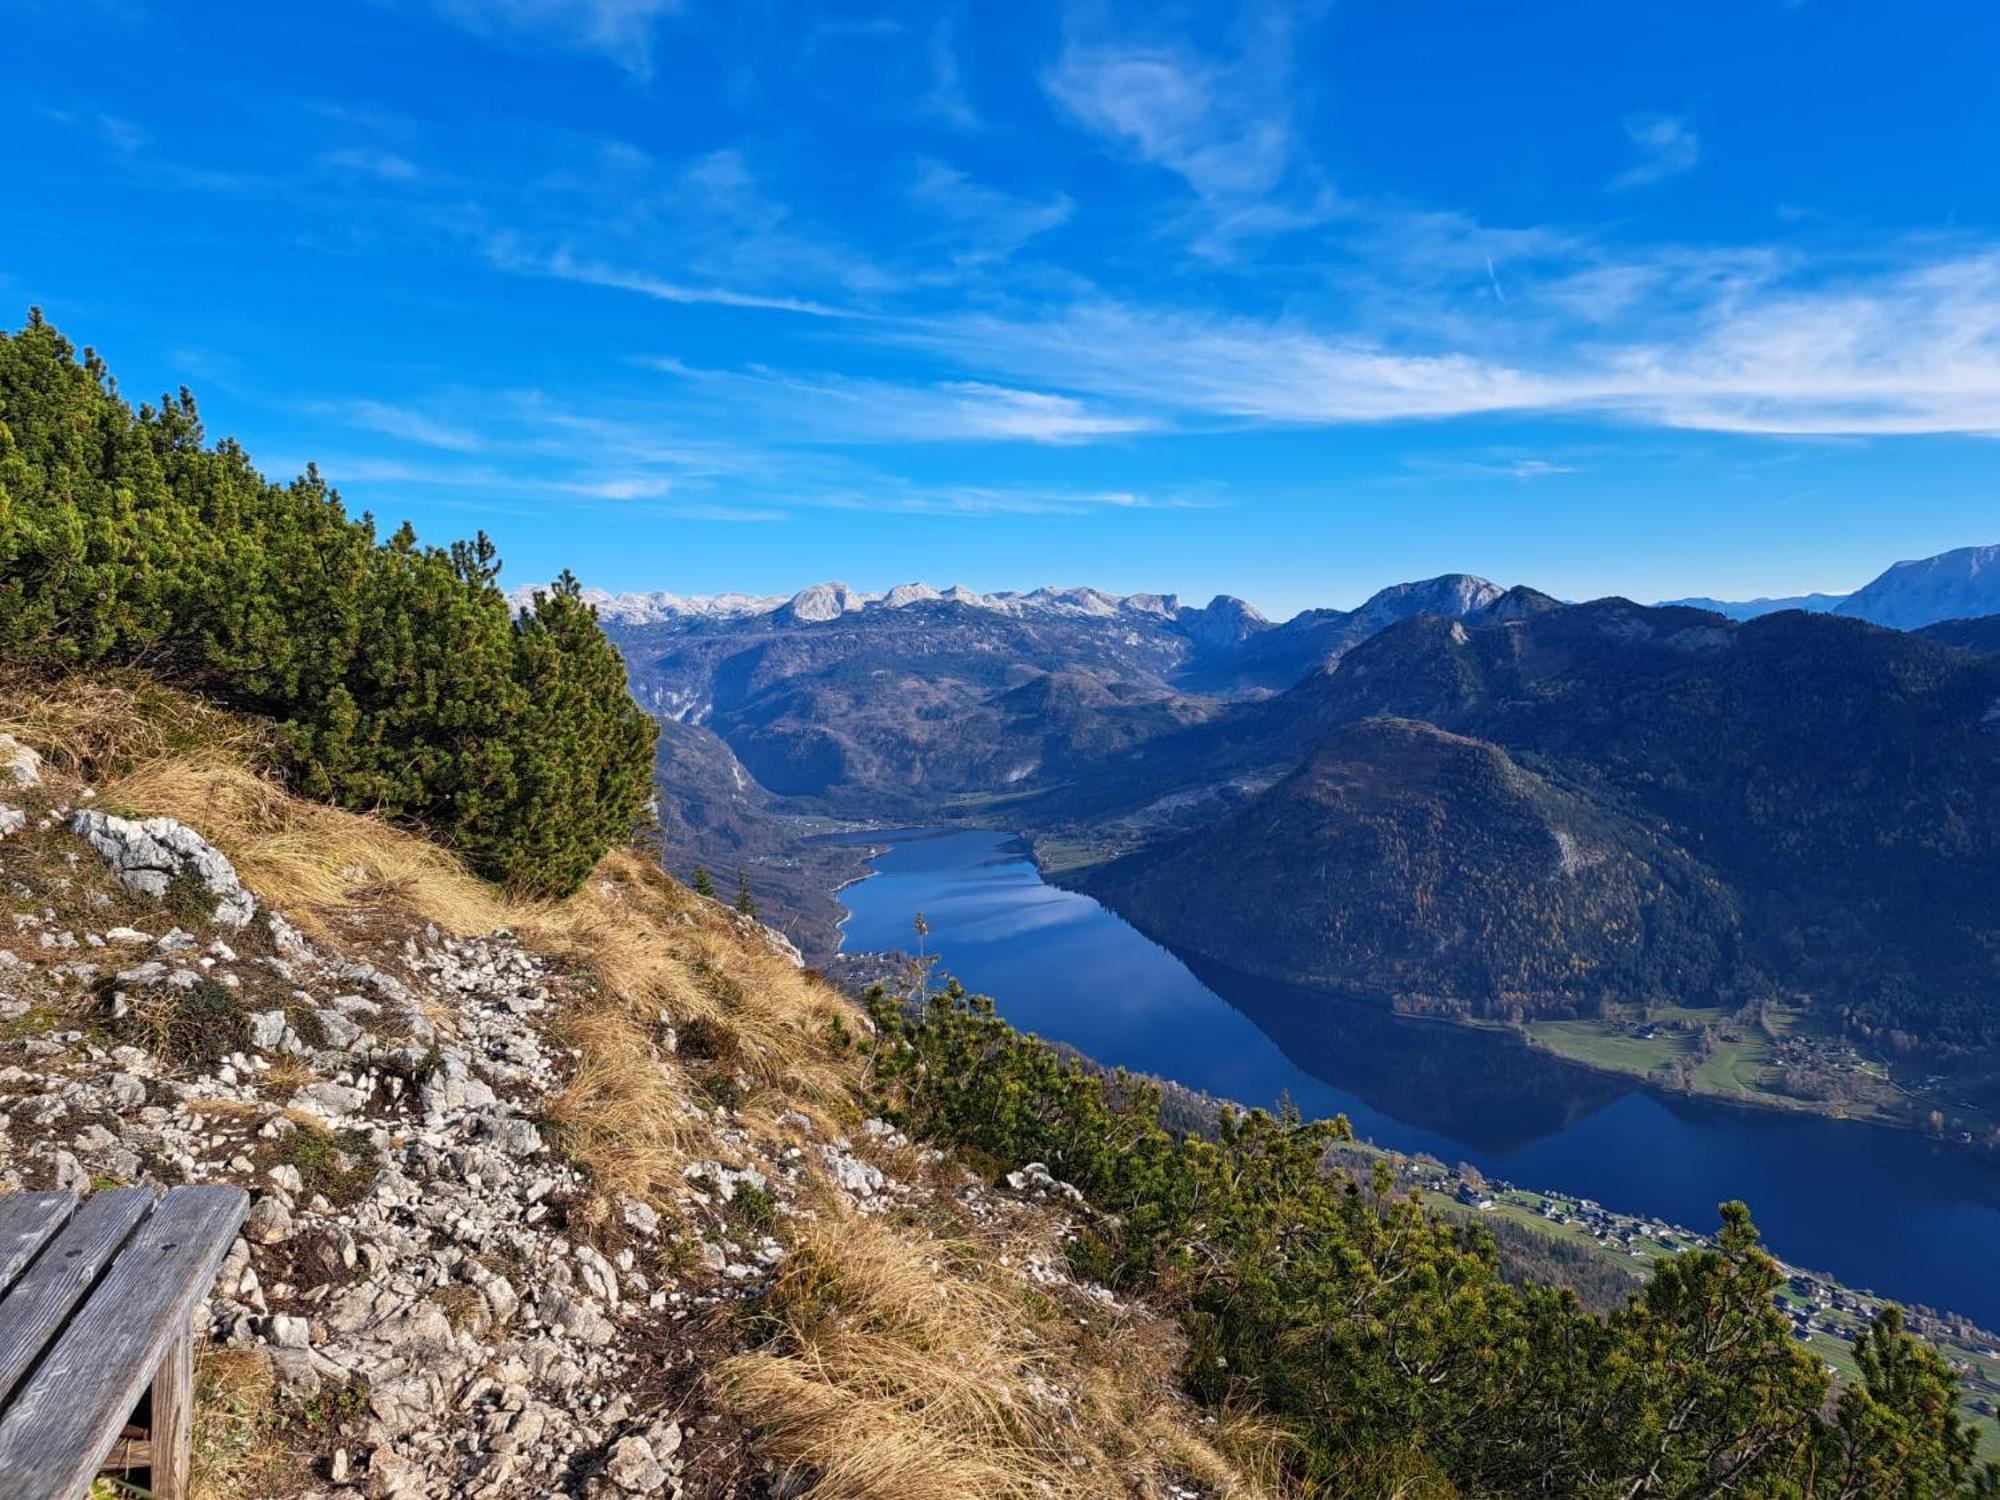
1484	1088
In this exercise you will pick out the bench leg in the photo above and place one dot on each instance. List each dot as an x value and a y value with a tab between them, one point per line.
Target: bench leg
173	1419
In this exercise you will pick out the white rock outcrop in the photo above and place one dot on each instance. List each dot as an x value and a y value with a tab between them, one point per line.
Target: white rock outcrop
150	854
19	763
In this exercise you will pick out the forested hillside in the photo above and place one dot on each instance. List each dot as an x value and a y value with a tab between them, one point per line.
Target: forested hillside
393	676
1405	863
1676	805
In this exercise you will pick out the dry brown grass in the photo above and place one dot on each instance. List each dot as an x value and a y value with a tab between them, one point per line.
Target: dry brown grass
625	1115
236	1452
113	720
306	858
908	1366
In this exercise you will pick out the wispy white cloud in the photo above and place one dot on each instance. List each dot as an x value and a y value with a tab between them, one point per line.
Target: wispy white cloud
369	162
134	148
947	99
1664	147
1499	466
786	408
1898	350
618	30
1222	123
117	132
990	224
973	409
403	422
370	480
1177	111
910	498
506	253
621	487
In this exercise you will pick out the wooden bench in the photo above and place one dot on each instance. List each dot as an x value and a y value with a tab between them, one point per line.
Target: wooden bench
97	1301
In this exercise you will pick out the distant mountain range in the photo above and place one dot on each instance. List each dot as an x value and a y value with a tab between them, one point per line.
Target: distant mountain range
1750	609
822	602
852	700
1455	797
1961	584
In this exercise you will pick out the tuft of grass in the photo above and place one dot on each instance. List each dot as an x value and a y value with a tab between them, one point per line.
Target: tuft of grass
306	858
906	1365
462	1305
342	1165
235	1453
195	1027
112	720
755	1206
625	1114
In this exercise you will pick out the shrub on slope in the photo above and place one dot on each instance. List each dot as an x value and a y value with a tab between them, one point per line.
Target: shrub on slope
1383	1338
395	675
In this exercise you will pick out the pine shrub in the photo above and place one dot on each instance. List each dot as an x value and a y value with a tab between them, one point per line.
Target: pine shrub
396	675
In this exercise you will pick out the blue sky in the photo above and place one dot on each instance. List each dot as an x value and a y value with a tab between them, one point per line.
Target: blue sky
1287	300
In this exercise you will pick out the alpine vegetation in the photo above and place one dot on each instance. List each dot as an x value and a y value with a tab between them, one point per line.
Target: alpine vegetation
394	677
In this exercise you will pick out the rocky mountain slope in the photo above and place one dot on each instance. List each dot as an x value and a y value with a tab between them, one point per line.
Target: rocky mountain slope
1276	658
1955	585
552	1198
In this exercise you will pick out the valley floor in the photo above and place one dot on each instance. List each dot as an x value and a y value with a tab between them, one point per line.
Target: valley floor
1783	1062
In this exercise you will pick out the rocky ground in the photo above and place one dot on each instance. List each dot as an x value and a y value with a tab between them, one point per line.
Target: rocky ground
428	1297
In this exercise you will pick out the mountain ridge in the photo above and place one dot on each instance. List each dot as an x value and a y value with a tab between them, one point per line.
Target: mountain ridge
1962	583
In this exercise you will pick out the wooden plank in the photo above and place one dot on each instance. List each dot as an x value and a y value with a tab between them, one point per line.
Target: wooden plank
129	1454
67	1417
33	1313
173	1420
26	1222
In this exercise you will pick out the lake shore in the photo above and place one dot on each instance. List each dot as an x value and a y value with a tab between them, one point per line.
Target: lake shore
1659	1053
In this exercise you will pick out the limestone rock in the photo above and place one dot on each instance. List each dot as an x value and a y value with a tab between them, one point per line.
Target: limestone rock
148	855
19	764
633	1468
268	1221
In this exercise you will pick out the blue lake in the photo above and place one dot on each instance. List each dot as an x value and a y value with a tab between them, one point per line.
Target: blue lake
1880	1209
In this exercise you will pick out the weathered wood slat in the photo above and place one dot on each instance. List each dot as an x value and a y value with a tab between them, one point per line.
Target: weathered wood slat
35	1308
129	1454
173	1420
26	1222
62	1423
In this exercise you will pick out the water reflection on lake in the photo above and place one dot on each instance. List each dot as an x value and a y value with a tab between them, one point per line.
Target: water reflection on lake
1882	1209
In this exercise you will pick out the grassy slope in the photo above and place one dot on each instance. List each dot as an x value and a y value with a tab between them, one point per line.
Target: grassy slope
1747	1070
901	1356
